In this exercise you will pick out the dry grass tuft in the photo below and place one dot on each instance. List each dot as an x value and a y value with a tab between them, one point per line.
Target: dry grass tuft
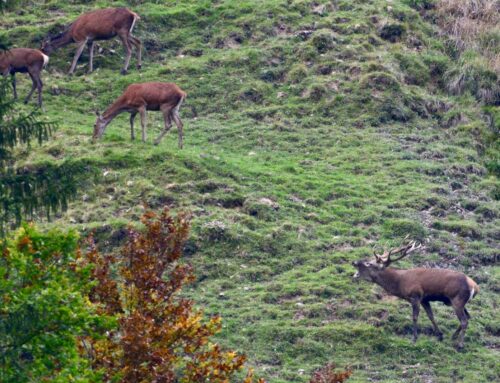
473	24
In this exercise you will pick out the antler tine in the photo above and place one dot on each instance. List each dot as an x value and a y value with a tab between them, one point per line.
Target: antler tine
380	258
405	250
377	256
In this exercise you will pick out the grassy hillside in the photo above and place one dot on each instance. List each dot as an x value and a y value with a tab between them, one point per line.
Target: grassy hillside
314	130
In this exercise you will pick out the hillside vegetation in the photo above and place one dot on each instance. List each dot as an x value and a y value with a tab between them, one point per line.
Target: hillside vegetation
314	130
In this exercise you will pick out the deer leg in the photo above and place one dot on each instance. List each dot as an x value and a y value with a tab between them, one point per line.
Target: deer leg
33	87
167	117
460	333
90	45
13	78
430	314
78	53
466	313
179	124
40	86
132	118
138	45
415	304
128	51
142	112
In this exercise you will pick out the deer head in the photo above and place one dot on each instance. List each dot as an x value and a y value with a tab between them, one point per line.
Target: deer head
368	269
46	46
99	126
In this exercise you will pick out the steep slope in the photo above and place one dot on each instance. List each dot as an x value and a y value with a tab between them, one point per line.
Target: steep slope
313	131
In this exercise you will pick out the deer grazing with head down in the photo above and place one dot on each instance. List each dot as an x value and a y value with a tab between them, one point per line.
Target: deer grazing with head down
102	24
421	286
138	98
24	60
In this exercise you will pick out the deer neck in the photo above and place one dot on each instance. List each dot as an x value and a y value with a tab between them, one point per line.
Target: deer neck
114	110
61	40
388	279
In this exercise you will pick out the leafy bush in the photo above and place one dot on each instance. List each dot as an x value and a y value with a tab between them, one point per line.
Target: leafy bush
43	308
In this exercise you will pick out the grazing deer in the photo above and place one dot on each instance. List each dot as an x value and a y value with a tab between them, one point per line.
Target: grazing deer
137	98
102	24
421	286
24	60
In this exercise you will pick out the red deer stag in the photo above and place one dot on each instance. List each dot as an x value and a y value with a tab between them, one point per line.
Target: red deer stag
24	60
421	286
102	24
137	98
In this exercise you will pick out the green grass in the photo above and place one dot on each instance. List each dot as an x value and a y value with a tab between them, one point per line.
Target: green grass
309	137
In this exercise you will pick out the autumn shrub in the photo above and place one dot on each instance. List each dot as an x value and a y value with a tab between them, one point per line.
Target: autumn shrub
327	374
161	337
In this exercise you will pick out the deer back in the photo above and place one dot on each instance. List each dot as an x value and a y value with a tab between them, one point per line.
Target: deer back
20	58
102	23
153	94
434	282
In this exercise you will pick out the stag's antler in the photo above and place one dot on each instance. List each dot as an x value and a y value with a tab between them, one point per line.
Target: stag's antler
405	249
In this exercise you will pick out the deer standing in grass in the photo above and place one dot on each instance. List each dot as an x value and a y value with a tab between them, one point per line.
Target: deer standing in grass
102	24
138	98
421	286
24	60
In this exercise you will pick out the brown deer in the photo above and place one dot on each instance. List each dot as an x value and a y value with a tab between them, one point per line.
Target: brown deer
421	286
102	24
137	98
24	60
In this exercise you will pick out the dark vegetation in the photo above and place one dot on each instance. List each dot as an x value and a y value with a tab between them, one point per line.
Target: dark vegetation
314	131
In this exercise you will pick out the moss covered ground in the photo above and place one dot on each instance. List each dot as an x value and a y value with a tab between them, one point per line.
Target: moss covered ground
314	130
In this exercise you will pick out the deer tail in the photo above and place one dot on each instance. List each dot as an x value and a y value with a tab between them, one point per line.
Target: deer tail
45	60
181	100
473	287
136	17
